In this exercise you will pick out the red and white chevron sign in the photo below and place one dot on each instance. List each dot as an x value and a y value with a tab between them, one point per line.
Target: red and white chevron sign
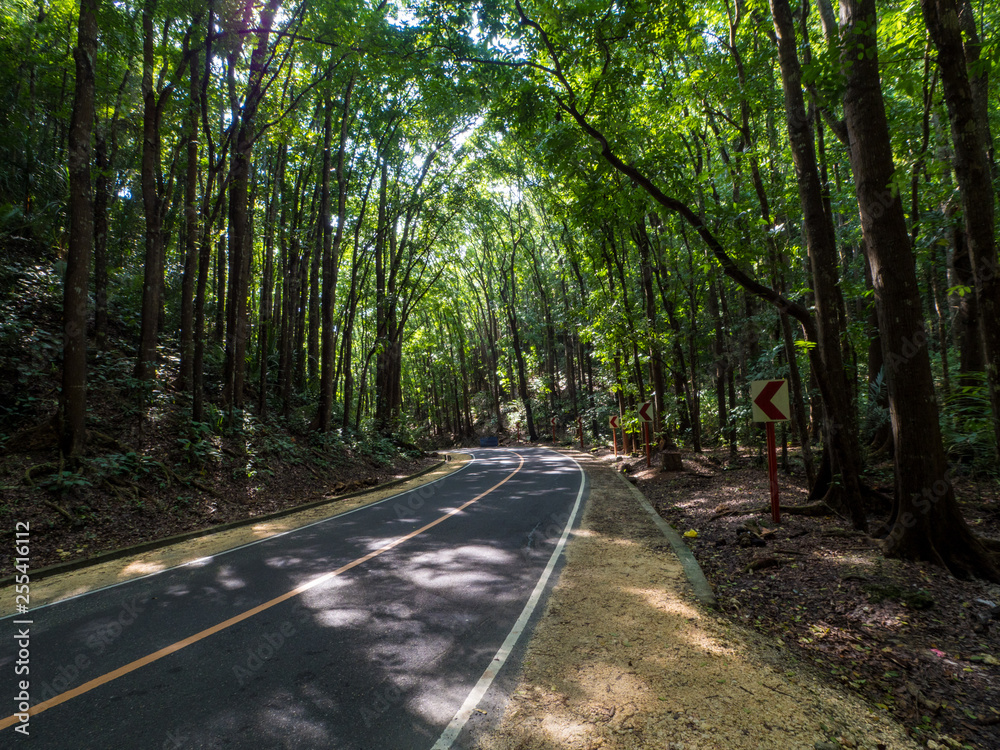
769	400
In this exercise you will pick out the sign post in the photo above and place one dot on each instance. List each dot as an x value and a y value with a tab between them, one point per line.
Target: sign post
553	423
614	439
646	414
769	405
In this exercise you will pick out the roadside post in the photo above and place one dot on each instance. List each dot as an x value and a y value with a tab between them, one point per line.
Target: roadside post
552	421
614	439
646	414
769	403
579	427
518	425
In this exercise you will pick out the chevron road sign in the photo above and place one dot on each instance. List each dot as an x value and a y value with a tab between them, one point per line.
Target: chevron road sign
769	400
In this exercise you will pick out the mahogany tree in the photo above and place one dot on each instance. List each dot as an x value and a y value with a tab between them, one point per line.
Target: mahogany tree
927	523
73	399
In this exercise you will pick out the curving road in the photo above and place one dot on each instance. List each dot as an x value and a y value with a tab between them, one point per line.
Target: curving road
378	629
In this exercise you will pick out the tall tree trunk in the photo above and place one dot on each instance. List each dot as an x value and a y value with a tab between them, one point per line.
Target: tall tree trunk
239	216
104	161
927	522
191	231
316	275
841	428
522	377
323	262
73	400
267	284
331	256
644	245
102	195
219	329
973	171
152	200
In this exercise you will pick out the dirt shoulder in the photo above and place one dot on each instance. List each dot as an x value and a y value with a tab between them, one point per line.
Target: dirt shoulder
624	658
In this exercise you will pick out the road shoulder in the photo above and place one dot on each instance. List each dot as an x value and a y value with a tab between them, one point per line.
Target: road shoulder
624	657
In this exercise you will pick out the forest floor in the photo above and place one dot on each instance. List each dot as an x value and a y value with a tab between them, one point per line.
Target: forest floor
912	640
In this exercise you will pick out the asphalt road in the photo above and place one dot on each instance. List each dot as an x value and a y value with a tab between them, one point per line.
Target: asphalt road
375	630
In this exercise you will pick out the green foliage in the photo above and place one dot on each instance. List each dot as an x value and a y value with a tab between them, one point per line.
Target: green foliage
199	447
64	482
966	424
129	464
378	449
875	411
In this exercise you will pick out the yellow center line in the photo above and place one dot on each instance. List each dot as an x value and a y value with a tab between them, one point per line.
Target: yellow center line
174	647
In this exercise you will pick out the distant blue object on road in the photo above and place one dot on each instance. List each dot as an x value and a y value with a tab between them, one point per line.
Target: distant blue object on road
490	441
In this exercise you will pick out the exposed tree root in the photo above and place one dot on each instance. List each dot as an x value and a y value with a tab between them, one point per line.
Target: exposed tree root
991	545
115	442
167	472
74	521
45	468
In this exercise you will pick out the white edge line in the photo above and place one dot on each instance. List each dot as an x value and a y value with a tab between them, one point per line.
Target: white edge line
458	722
248	544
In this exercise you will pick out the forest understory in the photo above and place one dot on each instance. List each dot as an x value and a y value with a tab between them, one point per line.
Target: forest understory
910	638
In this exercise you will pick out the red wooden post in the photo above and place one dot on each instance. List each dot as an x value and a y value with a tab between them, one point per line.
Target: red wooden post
772	471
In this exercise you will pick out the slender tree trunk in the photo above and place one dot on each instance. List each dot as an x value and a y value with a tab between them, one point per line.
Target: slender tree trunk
101	199
191	231
73	400
152	199
323	263
267	285
644	245
219	330
291	300
104	161
331	257
239	216
315	278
